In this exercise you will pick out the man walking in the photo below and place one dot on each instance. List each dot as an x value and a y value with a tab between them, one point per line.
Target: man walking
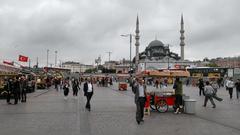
139	90
237	84
88	92
209	91
75	87
201	87
230	85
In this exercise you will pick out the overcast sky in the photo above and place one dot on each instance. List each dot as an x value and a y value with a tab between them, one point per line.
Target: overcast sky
82	30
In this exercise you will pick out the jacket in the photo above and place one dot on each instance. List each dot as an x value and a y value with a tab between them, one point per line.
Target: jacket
178	86
85	88
136	91
208	90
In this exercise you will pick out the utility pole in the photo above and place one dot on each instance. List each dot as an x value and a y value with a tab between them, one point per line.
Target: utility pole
56	58
47	56
37	63
109	55
29	63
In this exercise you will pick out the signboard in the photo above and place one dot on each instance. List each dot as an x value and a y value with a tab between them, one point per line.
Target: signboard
199	75
236	71
214	75
230	72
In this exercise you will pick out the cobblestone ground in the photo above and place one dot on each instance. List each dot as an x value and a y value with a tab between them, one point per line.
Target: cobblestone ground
113	113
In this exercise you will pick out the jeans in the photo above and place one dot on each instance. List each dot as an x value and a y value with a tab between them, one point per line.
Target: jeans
230	90
140	108
237	93
206	100
89	96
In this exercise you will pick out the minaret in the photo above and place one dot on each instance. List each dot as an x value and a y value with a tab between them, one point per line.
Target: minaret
137	37
182	44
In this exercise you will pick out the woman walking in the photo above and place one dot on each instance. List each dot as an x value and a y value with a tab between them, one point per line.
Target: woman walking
66	88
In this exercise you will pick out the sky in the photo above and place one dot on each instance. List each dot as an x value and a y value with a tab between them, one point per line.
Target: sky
82	30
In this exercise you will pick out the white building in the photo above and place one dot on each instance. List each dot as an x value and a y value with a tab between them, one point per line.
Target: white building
76	66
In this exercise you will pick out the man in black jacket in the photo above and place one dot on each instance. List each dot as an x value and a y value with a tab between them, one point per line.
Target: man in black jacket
201	87
237	84
9	88
88	92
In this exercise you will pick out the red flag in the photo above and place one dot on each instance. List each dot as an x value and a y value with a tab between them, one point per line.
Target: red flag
8	63
23	58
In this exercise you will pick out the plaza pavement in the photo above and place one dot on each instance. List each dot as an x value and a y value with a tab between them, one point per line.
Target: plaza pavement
113	113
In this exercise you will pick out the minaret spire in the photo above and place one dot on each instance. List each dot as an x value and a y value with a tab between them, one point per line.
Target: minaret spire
137	37
182	43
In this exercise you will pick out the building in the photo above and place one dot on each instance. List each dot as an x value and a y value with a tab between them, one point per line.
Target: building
230	62
123	66
158	55
76	66
110	64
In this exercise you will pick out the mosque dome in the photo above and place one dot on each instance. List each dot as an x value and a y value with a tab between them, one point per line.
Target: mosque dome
155	43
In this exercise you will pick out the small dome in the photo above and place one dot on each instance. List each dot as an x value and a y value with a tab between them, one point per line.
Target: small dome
155	43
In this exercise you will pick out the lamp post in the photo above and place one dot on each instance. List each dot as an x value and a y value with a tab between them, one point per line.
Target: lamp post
130	56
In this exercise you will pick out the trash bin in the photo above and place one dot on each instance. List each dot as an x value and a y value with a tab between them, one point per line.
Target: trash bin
190	106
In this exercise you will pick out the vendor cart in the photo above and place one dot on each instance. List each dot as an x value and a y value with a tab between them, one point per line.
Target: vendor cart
122	86
162	100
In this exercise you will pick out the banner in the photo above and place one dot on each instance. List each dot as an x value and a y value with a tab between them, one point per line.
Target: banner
8	63
23	58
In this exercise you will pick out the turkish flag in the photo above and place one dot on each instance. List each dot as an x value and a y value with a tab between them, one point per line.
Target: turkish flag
8	63
23	58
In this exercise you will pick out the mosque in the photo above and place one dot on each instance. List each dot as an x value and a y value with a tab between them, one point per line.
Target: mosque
158	55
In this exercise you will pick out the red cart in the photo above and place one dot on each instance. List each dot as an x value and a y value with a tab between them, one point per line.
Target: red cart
161	102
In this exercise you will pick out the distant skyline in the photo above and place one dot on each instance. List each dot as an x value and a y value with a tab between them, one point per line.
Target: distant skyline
82	30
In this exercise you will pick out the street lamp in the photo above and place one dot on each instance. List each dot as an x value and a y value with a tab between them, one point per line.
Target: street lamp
130	35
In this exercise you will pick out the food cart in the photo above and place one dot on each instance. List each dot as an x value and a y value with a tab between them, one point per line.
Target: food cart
162	99
122	79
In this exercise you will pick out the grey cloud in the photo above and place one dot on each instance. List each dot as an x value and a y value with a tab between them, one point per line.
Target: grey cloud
83	30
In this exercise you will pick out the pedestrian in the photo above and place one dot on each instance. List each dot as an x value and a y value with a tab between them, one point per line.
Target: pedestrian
215	87
201	87
237	84
66	86
75	87
178	87
88	92
9	88
209	91
24	86
230	85
139	90
16	90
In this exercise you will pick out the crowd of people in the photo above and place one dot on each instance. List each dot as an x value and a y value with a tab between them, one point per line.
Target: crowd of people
16	88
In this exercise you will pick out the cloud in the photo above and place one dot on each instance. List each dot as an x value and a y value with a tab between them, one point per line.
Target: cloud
83	30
